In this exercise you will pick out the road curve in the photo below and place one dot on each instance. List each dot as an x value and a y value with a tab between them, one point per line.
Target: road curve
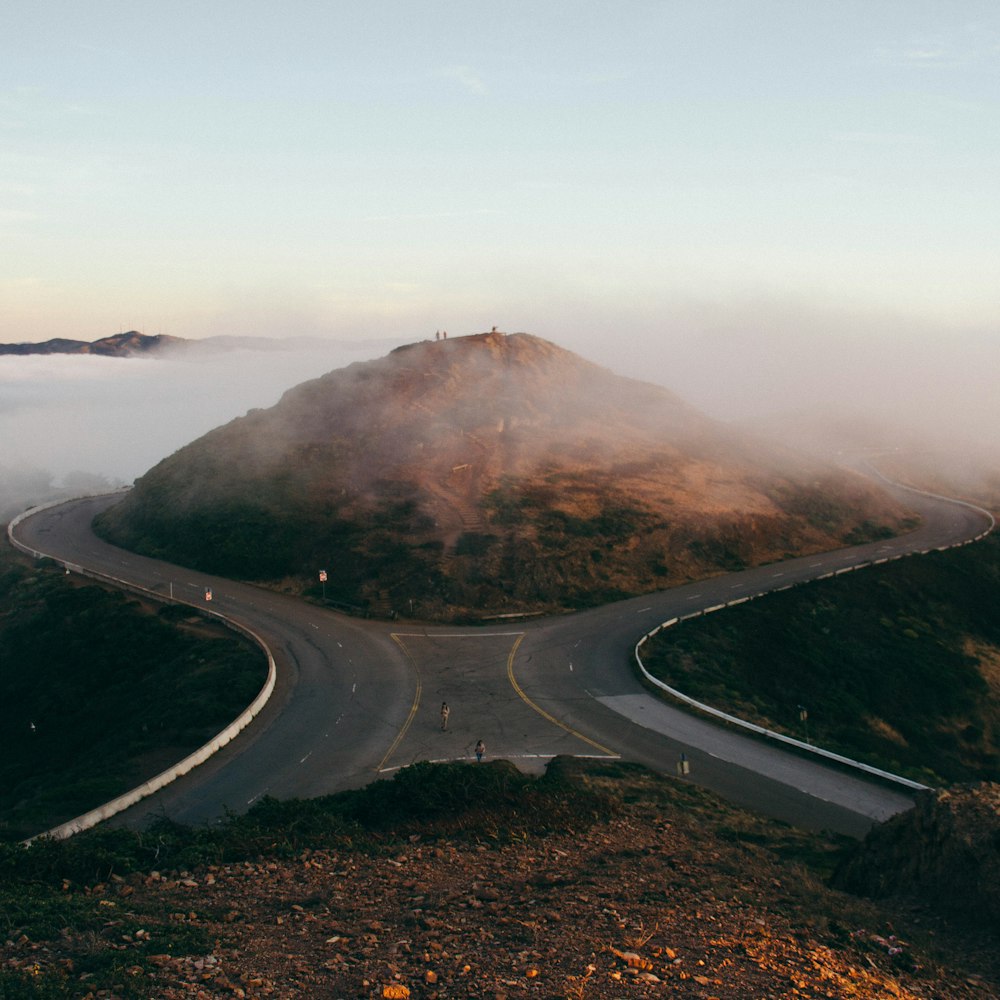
357	699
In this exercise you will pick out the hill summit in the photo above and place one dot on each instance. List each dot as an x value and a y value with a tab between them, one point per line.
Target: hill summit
484	474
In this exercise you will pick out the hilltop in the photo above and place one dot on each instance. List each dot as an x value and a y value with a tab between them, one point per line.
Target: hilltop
487	474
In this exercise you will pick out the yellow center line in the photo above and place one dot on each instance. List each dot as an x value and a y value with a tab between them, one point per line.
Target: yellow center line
413	708
541	711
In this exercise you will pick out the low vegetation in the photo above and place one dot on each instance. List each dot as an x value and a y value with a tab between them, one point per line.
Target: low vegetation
99	693
897	665
54	885
465	879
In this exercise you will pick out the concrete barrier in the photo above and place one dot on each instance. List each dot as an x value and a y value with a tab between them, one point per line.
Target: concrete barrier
147	788
781	737
761	731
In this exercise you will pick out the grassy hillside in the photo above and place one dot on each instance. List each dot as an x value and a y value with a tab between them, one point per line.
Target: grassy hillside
487	474
898	665
98	693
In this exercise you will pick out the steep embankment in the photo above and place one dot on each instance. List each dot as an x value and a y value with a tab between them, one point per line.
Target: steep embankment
487	473
943	854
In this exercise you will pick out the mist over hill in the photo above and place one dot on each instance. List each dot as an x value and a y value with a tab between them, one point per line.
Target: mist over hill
486	474
116	416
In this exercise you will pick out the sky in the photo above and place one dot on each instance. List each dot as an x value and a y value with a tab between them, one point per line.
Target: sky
756	203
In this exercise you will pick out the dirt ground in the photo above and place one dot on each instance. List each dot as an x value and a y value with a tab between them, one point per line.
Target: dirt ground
643	903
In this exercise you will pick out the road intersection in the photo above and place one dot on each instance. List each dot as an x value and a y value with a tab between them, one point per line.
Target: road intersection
357	699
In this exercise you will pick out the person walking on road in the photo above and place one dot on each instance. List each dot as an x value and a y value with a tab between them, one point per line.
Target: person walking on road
480	750
445	712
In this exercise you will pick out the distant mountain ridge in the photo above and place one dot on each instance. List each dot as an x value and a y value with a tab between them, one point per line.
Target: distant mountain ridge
121	345
489	473
134	344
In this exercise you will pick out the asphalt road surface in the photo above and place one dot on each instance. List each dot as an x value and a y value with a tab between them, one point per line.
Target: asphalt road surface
358	699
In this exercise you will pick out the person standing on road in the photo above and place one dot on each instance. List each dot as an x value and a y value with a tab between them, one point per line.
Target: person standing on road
480	750
445	712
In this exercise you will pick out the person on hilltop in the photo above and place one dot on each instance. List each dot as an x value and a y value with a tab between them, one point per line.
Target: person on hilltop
445	712
480	750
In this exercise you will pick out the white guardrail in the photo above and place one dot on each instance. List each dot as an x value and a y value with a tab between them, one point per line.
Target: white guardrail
781	737
147	788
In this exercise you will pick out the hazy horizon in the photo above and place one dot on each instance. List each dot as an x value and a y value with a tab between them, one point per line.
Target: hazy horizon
117	417
763	207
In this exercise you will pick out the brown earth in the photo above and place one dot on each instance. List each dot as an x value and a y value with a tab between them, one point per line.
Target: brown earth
945	852
674	894
488	474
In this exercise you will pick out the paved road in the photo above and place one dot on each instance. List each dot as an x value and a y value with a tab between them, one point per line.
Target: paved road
358	699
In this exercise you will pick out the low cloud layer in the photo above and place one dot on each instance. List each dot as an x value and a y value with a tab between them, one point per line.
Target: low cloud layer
116	417
791	374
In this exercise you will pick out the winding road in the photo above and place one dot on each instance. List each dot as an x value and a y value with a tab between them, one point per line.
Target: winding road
357	699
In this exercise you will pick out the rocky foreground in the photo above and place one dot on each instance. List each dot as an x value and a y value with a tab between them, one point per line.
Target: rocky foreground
670	894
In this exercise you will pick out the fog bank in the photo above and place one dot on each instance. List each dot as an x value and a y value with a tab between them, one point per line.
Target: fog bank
820	382
117	417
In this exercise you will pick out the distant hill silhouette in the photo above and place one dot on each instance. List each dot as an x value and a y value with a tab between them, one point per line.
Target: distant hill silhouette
121	345
134	344
488	474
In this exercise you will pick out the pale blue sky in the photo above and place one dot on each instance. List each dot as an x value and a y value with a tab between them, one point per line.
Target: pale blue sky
633	172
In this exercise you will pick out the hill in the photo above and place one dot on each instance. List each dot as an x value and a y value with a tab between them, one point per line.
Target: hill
488	474
134	344
121	345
